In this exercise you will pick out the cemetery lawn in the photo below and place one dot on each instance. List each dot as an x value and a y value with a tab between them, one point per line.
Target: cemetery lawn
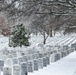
64	66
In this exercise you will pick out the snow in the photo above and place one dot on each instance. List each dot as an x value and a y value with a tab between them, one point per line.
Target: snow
64	66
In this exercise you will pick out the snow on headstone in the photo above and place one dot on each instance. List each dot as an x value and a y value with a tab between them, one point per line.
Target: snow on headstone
40	63
15	61
35	64
30	66
7	71
24	70
16	69
1	64
8	62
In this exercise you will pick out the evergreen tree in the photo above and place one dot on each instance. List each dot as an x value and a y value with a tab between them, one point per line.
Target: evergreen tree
19	36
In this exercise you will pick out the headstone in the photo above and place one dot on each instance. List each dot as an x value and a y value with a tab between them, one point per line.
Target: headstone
22	54
1	55
30	66
65	47
24	70
40	63
1	64
40	55
25	58
57	56
35	56
20	59
72	49
44	62
18	54
16	70
73	46
8	62
10	56
48	60
53	57
63	54
35	65
14	54
29	57
5	57
68	52
15	61
7	71
0	72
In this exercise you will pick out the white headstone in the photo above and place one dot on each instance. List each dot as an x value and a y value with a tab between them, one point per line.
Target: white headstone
15	61
44	62
48	60
16	69
8	62
25	58
7	71
20	59
24	70
29	57
35	64
40	63
1	55
30	66
53	57
1	64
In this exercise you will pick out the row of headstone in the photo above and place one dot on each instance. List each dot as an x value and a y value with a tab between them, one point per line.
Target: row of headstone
25	67
66	50
35	61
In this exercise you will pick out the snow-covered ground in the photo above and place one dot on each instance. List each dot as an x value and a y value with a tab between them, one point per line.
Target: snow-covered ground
65	66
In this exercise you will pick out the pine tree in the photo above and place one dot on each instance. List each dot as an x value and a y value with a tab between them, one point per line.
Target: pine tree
19	36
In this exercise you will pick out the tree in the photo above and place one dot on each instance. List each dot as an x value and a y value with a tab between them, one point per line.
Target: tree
19	36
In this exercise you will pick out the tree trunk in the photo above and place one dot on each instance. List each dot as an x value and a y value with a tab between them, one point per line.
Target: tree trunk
44	41
50	32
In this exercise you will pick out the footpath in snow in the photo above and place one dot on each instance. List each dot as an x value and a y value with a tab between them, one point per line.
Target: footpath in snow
65	66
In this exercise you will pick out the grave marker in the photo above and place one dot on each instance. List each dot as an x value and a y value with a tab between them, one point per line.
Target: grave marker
8	62
16	70
15	61
40	63
7	71
24	70
1	64
30	66
35	65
